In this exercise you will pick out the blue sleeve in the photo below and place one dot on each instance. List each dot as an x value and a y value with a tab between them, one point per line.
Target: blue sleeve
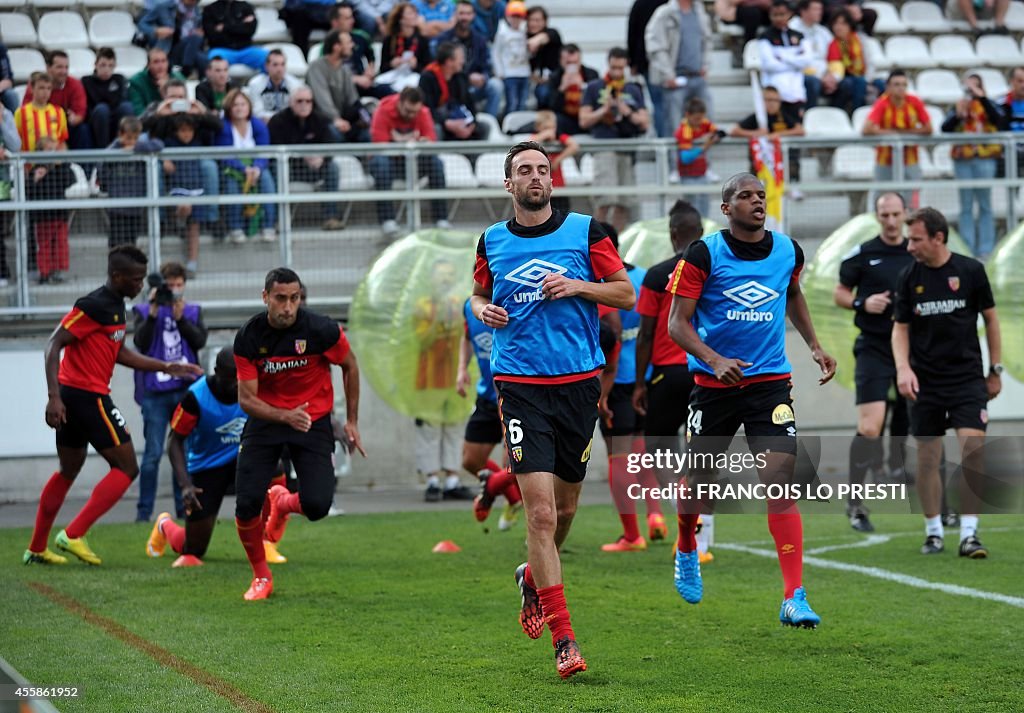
688	156
224	139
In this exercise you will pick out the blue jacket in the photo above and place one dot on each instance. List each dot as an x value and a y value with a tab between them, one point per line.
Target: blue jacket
260	135
163	14
478	54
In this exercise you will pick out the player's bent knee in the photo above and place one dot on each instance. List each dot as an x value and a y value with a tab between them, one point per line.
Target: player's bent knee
542	521
248	507
566	514
315	509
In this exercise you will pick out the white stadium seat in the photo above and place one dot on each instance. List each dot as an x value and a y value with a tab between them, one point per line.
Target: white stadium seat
908	52
125	5
81	62
889	22
458	171
854	163
1015	17
269	27
351	176
935	116
998	51
859	117
111	28
293	58
62	31
953	51
601	33
924	16
994	82
24	62
490	169
571	172
751	57
315	51
827	121
942	159
130	59
51	4
939	86
494	133
17	30
514	120
878	60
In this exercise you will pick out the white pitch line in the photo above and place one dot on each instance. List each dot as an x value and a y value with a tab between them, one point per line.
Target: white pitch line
869	541
899	578
905	533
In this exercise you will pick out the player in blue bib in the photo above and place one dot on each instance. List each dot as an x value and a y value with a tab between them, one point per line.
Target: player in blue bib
206	430
733	291
539	278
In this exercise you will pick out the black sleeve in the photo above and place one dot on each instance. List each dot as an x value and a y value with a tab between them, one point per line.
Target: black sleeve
850	270
951	123
145	328
994	114
799	255
902	310
591	94
655	279
194	334
983	289
204	95
423	53
432	95
597	233
190	404
750	123
481	247
790	116
699	256
244	340
607	337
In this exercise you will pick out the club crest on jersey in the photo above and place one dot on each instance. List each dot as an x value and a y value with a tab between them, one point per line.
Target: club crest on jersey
300	346
517	453
953	282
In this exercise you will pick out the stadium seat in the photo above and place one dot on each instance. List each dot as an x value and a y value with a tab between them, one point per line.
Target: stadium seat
936	116
24	62
558	8
878	60
810	169
827	121
62	31
130	59
494	133
17	30
351	176
490	169
294	60
889	22
942	159
751	57
860	115
600	33
10	4
571	172
241	72
50	4
998	51
727	30
721	68
111	28
81	62
126	5
190	87
515	120
994	81
314	52
909	52
939	86
269	27
946	197
1015	17
925	17
953	51
458	173
587	168
854	163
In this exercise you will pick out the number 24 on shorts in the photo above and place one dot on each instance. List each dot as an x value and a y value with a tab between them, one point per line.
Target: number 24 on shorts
693	421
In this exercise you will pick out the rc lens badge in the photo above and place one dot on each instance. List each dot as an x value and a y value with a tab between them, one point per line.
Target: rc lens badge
586	453
782	414
517	453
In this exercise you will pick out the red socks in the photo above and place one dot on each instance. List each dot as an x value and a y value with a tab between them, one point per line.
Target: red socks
619	481
687	541
175	535
787	530
493	467
52	497
556	613
277	480
647	479
104	496
528	576
250	532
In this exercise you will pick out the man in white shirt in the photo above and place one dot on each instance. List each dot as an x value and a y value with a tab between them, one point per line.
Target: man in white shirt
784	57
270	91
817	38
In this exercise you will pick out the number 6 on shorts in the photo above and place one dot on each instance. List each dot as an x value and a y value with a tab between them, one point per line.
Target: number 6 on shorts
515	431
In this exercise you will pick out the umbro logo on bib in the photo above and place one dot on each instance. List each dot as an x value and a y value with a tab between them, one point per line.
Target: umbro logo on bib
751	294
532	273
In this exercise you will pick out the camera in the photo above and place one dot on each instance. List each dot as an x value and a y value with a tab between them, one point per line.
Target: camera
179	106
163	296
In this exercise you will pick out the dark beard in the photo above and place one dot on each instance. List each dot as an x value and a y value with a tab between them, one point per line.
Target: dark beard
526	203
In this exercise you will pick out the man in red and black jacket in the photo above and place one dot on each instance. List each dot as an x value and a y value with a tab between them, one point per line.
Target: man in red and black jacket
284	358
81	411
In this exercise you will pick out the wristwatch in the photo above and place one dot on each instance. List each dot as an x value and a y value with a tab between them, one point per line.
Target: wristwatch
996	369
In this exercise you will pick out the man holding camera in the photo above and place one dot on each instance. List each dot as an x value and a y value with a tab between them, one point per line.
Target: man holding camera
171	330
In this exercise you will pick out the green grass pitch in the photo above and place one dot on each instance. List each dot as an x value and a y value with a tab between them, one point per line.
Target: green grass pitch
365	618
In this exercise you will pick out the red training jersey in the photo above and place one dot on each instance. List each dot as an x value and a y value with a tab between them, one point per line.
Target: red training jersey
885	116
97	321
655	301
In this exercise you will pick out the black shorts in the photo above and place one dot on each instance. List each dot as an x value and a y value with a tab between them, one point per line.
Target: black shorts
668	393
943	407
312	454
625	420
763	408
484	426
549	428
875	373
91	419
214	483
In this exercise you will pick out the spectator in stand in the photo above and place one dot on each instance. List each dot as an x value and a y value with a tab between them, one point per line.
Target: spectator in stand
971	11
784	57
304	16
545	47
864	18
636	27
270	90
48	182
8	97
211	91
159	122
246	174
372	15
567	85
976	114
782	121
126	179
547	135
614	109
512	57
362	61
9	142
39	117
298	124
184	178
695	135
807	22
176	27
436	16
106	95
68	94
489	14
1013	111
399	119
751	15
145	86
403	44
898	112
483	86
229	26
334	92
678	40
445	90
848	67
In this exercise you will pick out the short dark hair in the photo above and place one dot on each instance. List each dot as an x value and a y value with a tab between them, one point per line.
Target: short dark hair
129	125
281	276
891	194
123	257
50	56
895	73
844	15
466	2
804	4
333	38
732	186
696	105
537	8
335	10
445	51
173	269
174	82
520	148
218	58
106	53
685	224
933	221
40	77
273	52
618	53
411	95
182	119
769	88
571	48
782	3
1015	70
226	359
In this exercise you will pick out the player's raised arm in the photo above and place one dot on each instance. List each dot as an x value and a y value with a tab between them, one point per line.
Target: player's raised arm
134	360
